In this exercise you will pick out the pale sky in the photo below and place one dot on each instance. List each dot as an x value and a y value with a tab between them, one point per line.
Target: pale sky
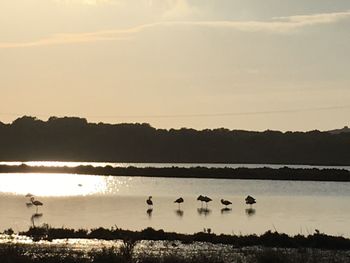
252	64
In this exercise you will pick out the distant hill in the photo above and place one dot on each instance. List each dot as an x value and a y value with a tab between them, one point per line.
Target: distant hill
74	139
337	131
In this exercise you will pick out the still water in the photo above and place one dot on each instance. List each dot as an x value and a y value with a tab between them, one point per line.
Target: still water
88	201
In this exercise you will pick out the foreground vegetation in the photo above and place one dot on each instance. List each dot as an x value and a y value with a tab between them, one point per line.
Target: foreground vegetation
40	254
269	239
176	248
74	139
285	173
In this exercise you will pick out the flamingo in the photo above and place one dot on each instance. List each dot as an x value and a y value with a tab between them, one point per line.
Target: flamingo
201	198
36	203
179	201
225	202
250	200
149	201
29	195
207	199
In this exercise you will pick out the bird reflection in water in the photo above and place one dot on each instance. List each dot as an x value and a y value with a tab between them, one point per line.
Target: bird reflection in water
203	211
250	211
226	210
179	213
35	217
149	212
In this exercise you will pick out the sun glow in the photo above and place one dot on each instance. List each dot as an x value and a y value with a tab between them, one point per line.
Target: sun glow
41	184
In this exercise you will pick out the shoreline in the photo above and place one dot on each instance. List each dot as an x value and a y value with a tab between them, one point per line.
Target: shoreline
271	239
284	173
101	245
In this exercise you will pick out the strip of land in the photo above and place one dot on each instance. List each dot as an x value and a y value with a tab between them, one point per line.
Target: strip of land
285	173
269	239
152	246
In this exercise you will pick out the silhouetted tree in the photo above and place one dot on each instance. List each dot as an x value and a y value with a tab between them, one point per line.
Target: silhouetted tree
75	139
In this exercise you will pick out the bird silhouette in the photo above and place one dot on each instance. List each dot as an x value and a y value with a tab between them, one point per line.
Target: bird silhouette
179	201
201	198
149	201
29	204
36	203
225	202
249	200
207	199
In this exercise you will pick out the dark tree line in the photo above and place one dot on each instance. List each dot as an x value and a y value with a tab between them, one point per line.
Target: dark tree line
75	139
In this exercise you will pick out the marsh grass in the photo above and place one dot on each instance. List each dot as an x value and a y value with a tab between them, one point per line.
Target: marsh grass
201	247
37	254
268	239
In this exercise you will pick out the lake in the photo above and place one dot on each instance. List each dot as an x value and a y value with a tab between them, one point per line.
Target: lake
88	201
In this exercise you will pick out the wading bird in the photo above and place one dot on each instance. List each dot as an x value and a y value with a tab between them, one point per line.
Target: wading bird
36	203
179	201
225	202
207	199
149	201
200	198
249	200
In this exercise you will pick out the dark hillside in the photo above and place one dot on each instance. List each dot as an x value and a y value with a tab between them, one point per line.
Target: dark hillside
75	139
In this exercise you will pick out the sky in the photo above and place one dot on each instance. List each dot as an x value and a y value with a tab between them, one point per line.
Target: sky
252	64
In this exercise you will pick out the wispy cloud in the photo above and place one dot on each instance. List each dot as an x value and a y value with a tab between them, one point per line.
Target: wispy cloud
275	25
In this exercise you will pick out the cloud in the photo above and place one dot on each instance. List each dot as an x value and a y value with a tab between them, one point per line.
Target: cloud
277	25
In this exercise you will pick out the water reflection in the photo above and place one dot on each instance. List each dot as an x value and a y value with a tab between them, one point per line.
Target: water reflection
41	184
149	212
179	213
204	211
35	217
291	209
250	211
226	210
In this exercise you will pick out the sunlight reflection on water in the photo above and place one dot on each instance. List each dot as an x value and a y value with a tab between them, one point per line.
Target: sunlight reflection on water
42	184
88	201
